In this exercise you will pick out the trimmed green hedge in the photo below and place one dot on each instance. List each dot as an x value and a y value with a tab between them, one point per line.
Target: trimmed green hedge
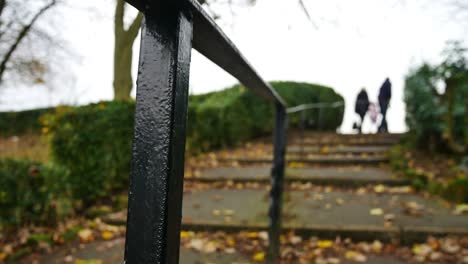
94	141
236	114
31	192
15	123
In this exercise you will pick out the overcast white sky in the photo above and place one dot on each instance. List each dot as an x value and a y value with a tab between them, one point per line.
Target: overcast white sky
355	44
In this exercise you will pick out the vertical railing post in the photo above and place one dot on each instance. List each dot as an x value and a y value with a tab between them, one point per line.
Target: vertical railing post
156	180
303	124
277	179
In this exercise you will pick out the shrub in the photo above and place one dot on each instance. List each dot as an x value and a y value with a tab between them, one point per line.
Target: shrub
31	192
436	108
15	123
236	114
94	143
452	188
306	93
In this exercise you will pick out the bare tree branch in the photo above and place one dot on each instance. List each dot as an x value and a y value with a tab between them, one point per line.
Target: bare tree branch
22	34
304	8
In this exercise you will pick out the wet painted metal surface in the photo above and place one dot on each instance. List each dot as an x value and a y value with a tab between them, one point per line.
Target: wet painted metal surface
156	181
277	182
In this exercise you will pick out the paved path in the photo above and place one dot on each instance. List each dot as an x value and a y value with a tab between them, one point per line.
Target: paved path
111	252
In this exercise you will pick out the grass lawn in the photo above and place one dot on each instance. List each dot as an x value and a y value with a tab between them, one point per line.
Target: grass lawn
28	146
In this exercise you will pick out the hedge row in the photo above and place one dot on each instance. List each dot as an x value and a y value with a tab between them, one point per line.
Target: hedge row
14	123
234	115
94	141
31	192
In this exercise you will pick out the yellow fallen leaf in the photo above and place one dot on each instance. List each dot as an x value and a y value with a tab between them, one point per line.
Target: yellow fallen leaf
186	234
2	256
259	257
209	247
376	211
325	150
379	188
461	209
216	212
107	235
230	242
228	212
421	249
86	235
324	243
252	235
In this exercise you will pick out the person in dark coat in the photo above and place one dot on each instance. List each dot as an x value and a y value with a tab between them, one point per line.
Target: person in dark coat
385	94
362	105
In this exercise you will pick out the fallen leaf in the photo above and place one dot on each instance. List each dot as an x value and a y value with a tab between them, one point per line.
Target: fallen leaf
421	250
324	243
209	247
196	244
379	188
259	257
377	246
252	235
355	256
461	209
107	235
186	234
449	246
86	235
295	240
216	212
228	212
376	211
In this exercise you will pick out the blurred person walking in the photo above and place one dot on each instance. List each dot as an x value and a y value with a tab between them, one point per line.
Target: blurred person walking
362	105
385	94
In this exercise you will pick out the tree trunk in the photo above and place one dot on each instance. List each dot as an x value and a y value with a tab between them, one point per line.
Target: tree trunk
448	136
123	81
123	52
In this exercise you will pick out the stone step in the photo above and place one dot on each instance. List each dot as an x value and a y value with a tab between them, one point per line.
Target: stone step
313	159
343	141
326	214
331	136
337	176
354	150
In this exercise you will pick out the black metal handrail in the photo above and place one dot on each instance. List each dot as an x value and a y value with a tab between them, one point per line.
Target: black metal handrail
303	108
169	31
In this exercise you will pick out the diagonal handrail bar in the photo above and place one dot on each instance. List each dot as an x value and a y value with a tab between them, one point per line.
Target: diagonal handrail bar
212	42
303	107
